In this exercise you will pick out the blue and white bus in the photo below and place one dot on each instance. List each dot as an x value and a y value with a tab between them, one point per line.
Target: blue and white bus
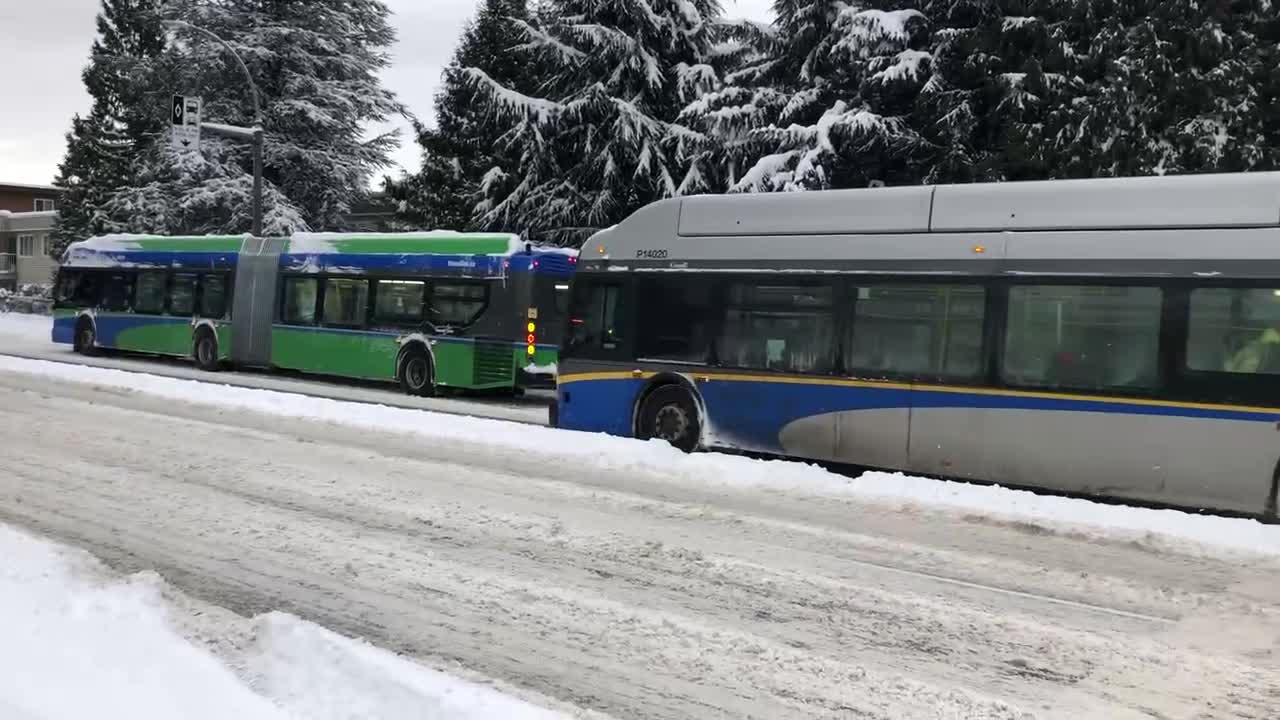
1115	337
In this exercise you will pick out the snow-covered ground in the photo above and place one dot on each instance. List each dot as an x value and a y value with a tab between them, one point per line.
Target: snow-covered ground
632	580
1158	528
21	326
81	642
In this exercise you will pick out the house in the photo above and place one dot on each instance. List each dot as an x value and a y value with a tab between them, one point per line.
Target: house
18	198
27	213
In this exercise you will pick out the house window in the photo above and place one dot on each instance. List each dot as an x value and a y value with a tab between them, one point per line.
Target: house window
44	205
26	245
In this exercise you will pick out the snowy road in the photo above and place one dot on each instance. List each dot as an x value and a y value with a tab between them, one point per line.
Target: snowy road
634	596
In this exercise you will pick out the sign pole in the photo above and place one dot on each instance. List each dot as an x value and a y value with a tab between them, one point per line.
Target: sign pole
257	182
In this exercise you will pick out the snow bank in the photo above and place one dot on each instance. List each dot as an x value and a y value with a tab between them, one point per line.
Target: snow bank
27	327
76	648
1162	529
316	673
79	643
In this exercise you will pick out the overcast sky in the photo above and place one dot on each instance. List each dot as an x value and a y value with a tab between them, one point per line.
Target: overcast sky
44	45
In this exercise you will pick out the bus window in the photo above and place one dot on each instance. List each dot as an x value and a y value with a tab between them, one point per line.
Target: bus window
674	318
71	289
182	295
150	294
213	296
595	318
346	302
1085	337
789	328
1234	330
300	301
917	329
117	291
399	302
457	303
562	299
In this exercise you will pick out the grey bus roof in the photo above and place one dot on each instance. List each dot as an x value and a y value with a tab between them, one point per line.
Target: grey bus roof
1238	200
1140	219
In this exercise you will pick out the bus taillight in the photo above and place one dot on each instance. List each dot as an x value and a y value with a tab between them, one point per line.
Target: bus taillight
532	338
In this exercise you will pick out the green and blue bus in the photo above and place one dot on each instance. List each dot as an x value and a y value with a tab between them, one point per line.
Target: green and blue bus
427	310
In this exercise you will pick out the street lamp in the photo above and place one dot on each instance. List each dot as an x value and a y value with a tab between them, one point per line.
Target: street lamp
254	134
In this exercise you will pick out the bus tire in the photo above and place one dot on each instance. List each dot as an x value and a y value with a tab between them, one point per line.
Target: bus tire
86	338
205	351
416	375
670	413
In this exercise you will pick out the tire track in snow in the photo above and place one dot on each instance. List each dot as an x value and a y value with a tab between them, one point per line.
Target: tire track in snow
628	602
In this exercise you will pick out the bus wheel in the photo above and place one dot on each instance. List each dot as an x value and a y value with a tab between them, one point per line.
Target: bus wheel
670	413
86	338
206	351
415	374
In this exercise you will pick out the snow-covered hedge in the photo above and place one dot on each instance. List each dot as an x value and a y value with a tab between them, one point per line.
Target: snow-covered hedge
35	298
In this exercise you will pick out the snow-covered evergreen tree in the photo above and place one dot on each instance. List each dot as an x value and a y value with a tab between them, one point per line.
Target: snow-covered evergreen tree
600	139
465	142
999	69
121	122
187	193
317	67
824	100
1174	88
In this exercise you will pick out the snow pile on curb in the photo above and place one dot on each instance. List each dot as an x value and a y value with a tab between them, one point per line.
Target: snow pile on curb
79	643
27	327
1161	529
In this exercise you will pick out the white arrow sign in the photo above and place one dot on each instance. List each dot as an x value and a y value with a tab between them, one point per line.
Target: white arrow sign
184	123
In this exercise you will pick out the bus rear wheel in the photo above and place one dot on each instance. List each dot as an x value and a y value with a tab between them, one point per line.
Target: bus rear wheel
670	413
415	374
206	351
86	338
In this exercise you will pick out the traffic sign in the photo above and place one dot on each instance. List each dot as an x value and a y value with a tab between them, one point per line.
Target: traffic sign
184	123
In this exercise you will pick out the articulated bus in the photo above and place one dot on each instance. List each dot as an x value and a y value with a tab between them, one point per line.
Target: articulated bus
1111	337
426	310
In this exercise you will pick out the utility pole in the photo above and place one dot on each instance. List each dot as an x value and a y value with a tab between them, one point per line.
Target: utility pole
254	134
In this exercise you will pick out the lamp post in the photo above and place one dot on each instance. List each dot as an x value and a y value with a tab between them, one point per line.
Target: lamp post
254	134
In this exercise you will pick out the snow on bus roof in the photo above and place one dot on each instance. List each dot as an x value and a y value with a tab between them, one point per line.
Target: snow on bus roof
447	242
124	242
436	242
